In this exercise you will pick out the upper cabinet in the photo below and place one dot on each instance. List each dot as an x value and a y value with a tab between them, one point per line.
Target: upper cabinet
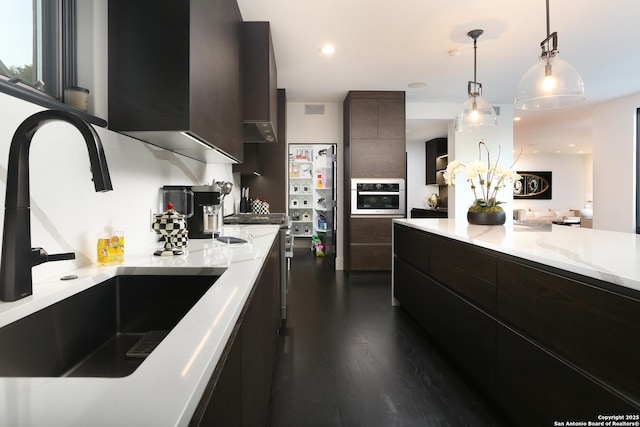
260	87
175	75
377	118
436	160
374	134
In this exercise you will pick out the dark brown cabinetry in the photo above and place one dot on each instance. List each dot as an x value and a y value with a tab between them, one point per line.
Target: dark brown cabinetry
436	160
259	84
370	246
547	344
596	329
374	116
466	332
269	160
429	213
175	75
223	397
239	390
463	328
537	388
258	334
378	158
374	147
467	270
374	129
412	289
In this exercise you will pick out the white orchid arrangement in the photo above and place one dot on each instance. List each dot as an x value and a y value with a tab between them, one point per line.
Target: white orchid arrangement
485	179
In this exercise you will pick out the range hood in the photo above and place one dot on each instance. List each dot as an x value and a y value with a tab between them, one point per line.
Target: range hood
260	86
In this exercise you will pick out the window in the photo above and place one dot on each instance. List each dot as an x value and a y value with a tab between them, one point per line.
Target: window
33	54
38	52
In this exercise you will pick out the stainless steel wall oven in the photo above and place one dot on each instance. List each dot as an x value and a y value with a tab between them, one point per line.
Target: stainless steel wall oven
377	196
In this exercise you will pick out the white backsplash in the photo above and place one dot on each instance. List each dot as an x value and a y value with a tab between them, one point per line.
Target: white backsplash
66	213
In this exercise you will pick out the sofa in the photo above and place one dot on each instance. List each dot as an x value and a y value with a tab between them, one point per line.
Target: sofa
545	215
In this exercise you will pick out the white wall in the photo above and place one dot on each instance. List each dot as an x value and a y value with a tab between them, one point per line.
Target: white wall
570	180
614	171
66	213
321	129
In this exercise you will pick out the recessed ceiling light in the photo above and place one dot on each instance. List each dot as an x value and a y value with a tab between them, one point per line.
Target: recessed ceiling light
417	85
572	145
516	119
328	49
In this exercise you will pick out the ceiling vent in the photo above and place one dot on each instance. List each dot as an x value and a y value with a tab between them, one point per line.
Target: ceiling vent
314	109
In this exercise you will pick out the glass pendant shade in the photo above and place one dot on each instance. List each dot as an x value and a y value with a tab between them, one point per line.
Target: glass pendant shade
550	83
476	113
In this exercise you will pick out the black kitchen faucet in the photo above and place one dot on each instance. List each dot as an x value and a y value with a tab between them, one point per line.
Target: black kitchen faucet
18	257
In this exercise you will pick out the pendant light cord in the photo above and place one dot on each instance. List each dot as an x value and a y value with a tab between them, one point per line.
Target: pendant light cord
475	48
548	22
550	44
474	34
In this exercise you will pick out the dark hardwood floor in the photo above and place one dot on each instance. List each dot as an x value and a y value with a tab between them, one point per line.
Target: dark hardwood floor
348	358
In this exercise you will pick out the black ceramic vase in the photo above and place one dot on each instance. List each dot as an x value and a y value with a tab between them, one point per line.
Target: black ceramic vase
486	218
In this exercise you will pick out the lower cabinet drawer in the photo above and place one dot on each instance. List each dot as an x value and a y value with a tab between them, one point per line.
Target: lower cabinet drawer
536	388
371	230
413	246
370	257
597	330
468	335
225	404
411	289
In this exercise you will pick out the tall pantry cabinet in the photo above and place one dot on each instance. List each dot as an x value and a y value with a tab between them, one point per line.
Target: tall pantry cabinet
374	147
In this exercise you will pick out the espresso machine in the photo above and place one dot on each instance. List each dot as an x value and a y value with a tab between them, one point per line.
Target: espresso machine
199	203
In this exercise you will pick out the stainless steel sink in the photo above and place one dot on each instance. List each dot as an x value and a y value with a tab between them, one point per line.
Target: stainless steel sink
90	333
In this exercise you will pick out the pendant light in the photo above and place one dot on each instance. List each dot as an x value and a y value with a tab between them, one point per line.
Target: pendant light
476	113
552	82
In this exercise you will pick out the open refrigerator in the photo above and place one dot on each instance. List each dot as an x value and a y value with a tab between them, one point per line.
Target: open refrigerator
312	195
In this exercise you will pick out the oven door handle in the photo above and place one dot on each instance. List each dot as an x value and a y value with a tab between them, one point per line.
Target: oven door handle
379	193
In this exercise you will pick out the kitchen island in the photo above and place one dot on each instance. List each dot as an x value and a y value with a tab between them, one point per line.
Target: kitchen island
176	382
544	318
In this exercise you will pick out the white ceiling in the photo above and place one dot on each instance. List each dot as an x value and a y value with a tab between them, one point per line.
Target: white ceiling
385	45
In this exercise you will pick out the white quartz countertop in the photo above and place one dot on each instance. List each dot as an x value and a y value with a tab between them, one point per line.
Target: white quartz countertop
606	255
166	388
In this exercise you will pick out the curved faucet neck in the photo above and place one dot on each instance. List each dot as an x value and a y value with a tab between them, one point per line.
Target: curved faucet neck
17	255
18	164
